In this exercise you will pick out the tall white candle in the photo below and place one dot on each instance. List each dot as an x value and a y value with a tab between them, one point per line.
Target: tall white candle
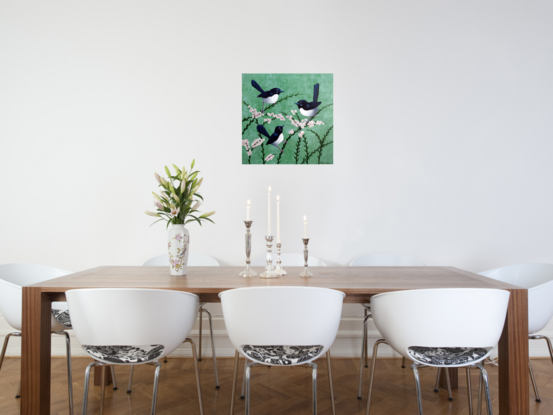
269	213
278	219
305	227
248	211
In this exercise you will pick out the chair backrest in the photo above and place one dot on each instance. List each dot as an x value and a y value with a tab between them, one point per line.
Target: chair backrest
289	260
132	317
538	279
283	316
194	260
13	277
385	260
448	317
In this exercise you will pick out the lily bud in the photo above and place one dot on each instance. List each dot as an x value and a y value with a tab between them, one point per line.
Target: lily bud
155	215
177	169
167	171
193	162
158	178
156	196
200	182
163	182
207	215
176	197
197	205
182	186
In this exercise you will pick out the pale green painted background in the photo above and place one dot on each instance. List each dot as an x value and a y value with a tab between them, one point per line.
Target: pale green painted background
295	87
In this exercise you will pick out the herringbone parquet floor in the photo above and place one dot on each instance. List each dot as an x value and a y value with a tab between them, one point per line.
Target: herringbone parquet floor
275	391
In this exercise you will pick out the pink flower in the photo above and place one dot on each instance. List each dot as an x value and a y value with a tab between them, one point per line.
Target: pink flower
257	142
249	153
158	205
246	144
267	120
291	132
311	124
269	157
174	212
300	135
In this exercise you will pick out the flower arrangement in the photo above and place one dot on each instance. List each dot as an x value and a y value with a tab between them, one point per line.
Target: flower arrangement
179	200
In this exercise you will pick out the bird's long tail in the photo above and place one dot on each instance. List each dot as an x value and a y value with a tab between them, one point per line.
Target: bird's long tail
256	86
263	131
315	93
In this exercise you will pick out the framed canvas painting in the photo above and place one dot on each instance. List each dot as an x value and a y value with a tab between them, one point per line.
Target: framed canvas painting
287	119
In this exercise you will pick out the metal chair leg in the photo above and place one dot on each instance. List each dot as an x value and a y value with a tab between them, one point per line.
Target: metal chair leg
373	365
129	387
113	378
4	348
330	382
18	394
469	390
363	356
200	335
314	380
156	384
533	381
366	339
103	390
69	376
86	383
418	386
234	378
449	396
247	376
437	386
243	394
403	363
213	348
484	374
188	340
479	409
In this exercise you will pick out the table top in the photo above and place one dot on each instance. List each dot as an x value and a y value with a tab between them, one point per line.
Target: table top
358	283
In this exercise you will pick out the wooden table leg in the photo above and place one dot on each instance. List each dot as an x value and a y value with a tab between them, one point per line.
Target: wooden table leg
98	376
453	378
35	352
514	390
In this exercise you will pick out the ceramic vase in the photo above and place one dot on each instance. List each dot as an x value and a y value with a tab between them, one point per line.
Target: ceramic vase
178	245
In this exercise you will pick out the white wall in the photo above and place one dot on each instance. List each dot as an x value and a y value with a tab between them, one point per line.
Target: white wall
442	139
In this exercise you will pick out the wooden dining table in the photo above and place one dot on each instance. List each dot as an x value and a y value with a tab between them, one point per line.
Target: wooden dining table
358	283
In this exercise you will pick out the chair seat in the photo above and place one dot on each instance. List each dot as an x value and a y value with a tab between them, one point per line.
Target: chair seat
62	317
125	354
446	356
282	355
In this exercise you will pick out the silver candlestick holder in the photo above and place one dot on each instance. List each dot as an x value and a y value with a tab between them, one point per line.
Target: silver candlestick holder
305	273
278	268
248	272
269	269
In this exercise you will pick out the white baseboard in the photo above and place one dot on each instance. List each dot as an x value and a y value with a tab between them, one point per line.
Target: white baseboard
347	344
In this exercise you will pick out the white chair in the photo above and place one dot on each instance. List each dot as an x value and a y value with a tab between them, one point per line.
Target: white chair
408	321
194	260
12	279
134	327
289	260
277	326
538	279
381	260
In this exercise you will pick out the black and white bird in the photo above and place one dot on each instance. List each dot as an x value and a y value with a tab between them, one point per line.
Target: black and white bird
269	97
274	139
309	109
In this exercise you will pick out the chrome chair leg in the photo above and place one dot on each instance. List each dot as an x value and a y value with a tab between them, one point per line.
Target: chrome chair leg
103	390
479	409
4	348
234	378
195	358
18	394
314	381
449	396
436	387
113	378
363	356
200	314
247	377
484	374
533	381
403	363
418	386
129	390
243	394
69	376
156	384
373	365
213	348
469	390
86	386
330	382
366	339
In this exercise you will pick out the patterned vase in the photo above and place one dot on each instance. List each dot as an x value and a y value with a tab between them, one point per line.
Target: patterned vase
178	245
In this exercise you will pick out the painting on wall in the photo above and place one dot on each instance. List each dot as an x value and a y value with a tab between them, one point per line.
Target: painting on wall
287	119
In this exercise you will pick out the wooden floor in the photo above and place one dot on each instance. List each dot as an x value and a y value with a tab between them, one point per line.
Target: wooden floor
275	390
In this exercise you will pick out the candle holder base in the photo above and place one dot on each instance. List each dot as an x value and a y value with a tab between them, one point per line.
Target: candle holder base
278	268
305	273
269	274
269	269
248	272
